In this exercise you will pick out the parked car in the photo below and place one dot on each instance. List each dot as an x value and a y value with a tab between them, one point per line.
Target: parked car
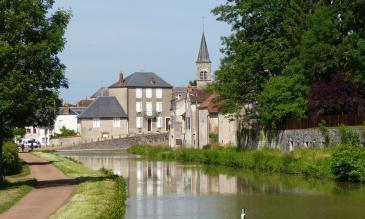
29	142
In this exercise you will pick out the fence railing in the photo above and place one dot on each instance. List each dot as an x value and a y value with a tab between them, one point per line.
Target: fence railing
331	121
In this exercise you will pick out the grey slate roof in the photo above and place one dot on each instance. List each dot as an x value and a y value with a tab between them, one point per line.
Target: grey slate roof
143	79
103	91
203	56
104	107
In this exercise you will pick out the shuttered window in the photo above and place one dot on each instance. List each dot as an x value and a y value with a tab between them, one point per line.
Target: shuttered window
149	108
148	93
159	122
139	122
138	107
159	107
116	122
96	123
139	93
158	93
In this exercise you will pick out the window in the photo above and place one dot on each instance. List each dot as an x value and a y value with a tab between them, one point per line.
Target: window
158	93
188	122
168	124
138	107
204	75
96	123
149	108
159	107
139	122
116	122
28	131
139	93
201	75
148	93
159	122
34	130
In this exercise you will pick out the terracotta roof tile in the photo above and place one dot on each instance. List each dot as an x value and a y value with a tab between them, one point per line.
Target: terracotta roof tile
208	104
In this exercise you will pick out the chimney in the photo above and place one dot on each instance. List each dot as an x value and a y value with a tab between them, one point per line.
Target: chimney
153	80
66	109
121	78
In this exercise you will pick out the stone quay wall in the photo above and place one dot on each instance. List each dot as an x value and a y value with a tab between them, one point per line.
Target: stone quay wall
121	143
67	141
300	138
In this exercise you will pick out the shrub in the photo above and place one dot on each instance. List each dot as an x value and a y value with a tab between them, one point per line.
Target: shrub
64	133
11	161
312	162
348	137
325	132
348	163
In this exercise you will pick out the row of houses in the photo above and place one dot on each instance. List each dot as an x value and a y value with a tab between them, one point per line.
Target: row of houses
196	120
144	103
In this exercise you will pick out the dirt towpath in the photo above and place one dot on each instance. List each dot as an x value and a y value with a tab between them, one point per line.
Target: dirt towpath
52	191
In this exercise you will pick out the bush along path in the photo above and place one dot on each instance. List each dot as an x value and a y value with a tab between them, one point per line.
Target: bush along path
99	194
17	182
52	190
344	162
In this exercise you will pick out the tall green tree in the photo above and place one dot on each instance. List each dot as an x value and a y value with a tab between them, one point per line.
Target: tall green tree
320	39
283	97
264	38
31	73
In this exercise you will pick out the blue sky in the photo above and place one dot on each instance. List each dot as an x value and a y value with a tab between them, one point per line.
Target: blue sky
162	36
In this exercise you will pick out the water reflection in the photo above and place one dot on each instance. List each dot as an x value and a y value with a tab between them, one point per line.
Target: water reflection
147	178
169	190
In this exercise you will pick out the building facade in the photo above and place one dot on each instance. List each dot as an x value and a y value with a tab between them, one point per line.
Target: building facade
146	98
103	119
185	112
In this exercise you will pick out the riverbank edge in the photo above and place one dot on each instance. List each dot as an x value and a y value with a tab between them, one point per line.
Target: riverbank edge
21	183
307	162
100	191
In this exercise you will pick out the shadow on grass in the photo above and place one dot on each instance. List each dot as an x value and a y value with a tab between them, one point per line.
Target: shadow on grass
9	185
54	183
40	163
68	182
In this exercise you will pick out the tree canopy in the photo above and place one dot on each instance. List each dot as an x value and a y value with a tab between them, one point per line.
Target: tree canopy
31	73
313	40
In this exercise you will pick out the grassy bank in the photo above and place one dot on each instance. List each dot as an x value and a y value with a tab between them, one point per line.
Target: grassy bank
345	162
15	187
313	162
99	194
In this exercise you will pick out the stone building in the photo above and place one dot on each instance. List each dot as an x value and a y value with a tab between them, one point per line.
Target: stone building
203	65
227	129
184	108
105	118
208	121
146	99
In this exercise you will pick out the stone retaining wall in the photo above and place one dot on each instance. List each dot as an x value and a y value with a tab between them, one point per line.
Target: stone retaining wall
67	141
152	139
290	139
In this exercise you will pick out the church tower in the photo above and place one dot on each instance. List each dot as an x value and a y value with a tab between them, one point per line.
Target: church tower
203	65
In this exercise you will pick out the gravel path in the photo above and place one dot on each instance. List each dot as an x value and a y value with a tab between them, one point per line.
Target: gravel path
52	191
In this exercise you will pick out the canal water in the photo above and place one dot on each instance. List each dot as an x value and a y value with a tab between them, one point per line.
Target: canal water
173	190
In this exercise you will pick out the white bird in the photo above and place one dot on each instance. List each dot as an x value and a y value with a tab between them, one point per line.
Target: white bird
243	214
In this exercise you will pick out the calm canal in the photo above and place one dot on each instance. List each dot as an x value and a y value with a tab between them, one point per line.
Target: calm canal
172	190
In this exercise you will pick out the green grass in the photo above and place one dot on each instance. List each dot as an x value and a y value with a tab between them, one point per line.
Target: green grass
308	162
99	194
15	187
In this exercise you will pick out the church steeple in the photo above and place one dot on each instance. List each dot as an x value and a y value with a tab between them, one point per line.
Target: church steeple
203	56
203	65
